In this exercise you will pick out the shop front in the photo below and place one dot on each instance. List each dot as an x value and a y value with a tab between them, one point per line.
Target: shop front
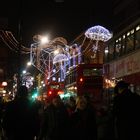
125	68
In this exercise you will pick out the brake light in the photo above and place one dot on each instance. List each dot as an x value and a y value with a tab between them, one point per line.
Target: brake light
50	92
81	79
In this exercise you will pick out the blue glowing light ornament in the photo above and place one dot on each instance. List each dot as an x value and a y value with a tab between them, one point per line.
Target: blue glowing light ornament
60	58
98	33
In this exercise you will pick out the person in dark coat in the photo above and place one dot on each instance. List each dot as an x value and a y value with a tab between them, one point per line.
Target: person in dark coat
71	105
126	112
83	121
55	121
21	119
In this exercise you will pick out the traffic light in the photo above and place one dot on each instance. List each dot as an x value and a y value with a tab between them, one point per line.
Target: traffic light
34	94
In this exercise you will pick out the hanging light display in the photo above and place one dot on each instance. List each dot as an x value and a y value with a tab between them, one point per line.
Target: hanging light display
99	33
61	59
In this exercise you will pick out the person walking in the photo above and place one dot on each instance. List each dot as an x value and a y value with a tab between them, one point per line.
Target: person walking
83	121
21	119
55	122
126	112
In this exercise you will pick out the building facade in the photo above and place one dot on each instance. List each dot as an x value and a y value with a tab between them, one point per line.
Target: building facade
122	58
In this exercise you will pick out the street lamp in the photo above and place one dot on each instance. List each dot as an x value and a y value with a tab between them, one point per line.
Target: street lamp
29	63
44	40
24	71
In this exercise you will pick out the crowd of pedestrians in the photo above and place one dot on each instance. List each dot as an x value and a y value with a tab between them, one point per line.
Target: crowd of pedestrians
76	119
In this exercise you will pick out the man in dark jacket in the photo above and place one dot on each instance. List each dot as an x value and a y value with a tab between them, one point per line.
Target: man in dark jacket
126	110
21	119
56	121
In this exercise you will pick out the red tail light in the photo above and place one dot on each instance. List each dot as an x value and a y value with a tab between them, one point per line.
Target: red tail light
81	79
50	92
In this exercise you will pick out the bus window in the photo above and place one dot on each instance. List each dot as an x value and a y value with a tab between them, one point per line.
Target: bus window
54	86
92	72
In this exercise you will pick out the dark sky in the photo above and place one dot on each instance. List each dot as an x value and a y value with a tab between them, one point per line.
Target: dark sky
65	18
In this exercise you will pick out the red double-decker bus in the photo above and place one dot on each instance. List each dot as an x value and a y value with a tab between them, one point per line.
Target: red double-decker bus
85	79
55	88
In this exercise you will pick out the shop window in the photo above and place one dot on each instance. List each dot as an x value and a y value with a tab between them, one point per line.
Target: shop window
137	39
111	51
118	47
123	44
130	41
106	54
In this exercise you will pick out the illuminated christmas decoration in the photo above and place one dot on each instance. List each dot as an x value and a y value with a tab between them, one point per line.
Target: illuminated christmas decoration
61	60
98	33
42	56
74	55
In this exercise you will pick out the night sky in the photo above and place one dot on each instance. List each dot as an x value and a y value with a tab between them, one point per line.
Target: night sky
65	18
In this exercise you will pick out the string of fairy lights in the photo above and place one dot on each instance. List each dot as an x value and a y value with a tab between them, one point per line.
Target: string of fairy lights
97	33
43	58
10	41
